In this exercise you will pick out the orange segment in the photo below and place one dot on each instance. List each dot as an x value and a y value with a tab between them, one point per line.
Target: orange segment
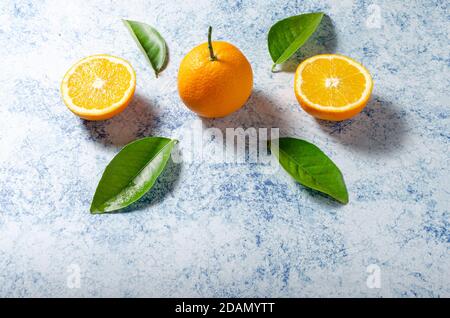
98	87
332	87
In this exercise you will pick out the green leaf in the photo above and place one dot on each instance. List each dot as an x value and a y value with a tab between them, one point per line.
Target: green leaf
288	35
308	165
151	44
131	173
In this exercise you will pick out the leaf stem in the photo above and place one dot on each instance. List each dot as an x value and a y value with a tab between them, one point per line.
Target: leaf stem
212	57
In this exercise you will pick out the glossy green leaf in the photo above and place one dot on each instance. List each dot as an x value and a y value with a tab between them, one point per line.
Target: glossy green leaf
151	43
288	35
308	165
131	173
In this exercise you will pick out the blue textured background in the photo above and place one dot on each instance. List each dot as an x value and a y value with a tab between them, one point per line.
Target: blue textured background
226	230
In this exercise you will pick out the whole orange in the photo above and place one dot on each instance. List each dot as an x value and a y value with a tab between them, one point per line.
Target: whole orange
215	79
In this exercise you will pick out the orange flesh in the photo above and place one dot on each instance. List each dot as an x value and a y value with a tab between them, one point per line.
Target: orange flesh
98	84
345	82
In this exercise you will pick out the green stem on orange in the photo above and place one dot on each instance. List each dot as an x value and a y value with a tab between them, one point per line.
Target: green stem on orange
212	57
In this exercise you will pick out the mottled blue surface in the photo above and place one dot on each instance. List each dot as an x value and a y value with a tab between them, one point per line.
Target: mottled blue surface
217	229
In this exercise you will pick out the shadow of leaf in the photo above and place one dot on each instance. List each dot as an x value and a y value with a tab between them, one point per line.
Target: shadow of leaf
320	198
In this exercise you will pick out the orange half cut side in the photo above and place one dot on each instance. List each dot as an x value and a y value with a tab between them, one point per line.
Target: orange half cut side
99	87
332	87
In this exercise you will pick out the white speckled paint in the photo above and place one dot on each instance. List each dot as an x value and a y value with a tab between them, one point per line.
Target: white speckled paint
226	229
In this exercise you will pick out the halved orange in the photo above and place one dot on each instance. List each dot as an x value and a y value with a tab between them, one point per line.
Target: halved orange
332	87
99	87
